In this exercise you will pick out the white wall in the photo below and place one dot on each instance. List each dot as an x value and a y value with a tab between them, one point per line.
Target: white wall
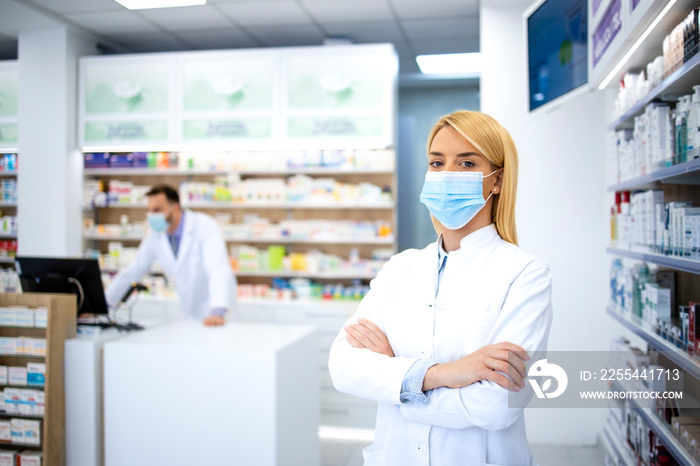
50	178
561	209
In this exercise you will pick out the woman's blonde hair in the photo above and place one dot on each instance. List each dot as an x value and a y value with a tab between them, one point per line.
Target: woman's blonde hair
496	145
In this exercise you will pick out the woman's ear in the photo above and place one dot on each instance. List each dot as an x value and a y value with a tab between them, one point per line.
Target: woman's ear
499	182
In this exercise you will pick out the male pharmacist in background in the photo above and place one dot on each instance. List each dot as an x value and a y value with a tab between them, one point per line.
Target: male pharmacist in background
191	251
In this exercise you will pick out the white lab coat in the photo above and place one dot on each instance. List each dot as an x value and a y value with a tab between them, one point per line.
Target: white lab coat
490	292
201	272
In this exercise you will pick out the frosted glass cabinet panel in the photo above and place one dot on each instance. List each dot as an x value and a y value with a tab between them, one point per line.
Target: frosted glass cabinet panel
127	100
328	97
9	89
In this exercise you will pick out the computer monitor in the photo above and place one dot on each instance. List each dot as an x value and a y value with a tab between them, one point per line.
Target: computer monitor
78	276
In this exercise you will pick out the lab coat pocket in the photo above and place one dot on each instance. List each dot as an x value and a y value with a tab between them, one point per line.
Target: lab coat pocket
482	332
374	456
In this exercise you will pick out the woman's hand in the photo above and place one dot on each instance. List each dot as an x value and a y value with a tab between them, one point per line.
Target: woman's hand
483	364
364	334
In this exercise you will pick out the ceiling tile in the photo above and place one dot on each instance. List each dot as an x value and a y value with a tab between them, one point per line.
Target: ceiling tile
269	13
77	6
188	18
159	42
282	36
448	28
421	9
343	11
367	32
224	2
219	39
113	23
458	45
17	17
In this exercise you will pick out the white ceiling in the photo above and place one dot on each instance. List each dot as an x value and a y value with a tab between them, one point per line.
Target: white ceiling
413	26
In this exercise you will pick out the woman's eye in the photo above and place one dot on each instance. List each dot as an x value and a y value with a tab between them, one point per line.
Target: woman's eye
436	163
468	164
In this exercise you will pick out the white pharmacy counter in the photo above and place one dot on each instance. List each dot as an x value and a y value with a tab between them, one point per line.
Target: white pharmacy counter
182	394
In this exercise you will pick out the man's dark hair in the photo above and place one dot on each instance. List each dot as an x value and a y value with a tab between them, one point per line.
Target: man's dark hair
170	193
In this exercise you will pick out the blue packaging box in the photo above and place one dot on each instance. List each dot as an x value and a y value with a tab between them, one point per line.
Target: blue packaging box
121	160
96	160
140	159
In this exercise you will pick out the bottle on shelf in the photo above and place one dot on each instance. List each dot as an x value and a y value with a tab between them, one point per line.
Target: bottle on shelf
681	130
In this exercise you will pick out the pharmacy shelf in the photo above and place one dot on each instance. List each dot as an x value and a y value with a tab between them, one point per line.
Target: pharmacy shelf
30	416
302	274
21	446
286	205
6	260
148	172
8	204
21	326
7	173
683	173
678	83
661	430
23	356
112	238
672	262
284	172
351	241
262	205
28	387
7	236
671	351
615	445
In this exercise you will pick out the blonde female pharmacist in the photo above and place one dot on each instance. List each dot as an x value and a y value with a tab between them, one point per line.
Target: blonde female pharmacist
441	327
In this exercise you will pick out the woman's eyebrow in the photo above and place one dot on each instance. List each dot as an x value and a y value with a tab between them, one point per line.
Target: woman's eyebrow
463	154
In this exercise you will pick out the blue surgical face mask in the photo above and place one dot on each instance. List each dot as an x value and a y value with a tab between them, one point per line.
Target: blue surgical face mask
454	198
157	221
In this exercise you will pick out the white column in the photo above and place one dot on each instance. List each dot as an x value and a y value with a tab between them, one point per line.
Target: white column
561	208
50	175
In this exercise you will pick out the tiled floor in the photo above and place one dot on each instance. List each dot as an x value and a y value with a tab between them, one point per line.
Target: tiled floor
349	453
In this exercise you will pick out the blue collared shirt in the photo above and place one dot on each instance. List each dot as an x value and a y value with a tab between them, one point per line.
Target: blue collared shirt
175	237
412	385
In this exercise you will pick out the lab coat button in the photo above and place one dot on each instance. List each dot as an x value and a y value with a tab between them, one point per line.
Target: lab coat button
426	353
422	449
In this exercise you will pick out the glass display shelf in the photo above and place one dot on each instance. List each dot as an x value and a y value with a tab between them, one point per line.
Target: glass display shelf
685	361
678	83
682	173
672	262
